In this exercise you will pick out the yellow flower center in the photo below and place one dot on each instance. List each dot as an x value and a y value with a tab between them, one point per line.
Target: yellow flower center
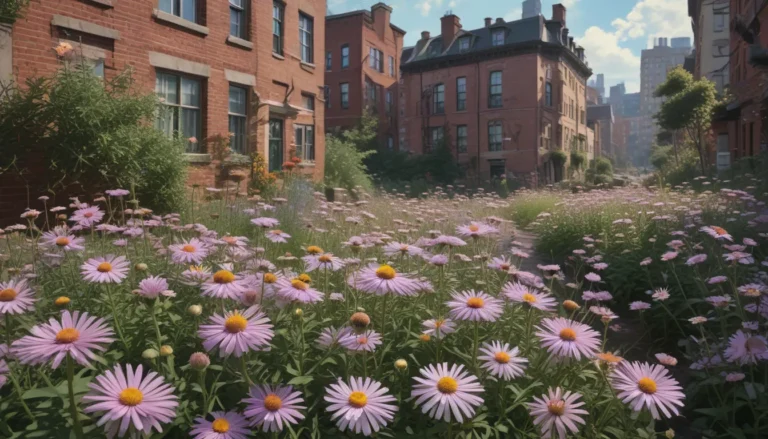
324	259
314	250
299	285
223	277
502	357
189	248
447	385
473	228
304	277
567	334
220	425
439	323
67	335
358	399
270	278
272	402
647	385
719	230
62	241
131	397
609	357
475	302
528	297
385	272
197	268
556	408
235	323
8	295
104	267
62	301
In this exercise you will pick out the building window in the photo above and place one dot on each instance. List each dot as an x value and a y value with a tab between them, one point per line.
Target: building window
719	21
497	168
438	99
461	94
371	94
436	136
494	136
375	60
344	56
238	116
305	37
494	90
308	101
720	48
277	27
238	19
181	114
327	96
464	44
186	9
461	138
305	142
344	93
388	103
723	152
498	37
392	66
328	61
390	143
275	145
548	94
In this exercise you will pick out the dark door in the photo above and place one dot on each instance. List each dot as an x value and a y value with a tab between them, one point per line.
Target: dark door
275	145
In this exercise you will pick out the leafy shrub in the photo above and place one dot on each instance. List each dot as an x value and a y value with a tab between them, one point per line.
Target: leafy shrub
438	166
578	159
344	165
93	134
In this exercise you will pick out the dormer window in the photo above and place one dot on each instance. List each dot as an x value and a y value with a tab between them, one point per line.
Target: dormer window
464	44
498	37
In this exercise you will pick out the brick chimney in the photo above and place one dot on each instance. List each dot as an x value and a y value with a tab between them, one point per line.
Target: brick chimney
558	13
380	14
449	26
488	21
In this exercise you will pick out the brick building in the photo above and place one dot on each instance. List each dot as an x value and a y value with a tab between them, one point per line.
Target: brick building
362	69
247	69
502	97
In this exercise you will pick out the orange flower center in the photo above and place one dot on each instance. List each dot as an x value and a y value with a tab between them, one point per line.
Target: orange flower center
647	385
358	399
304	277
276	232
385	272
567	334
231	240
447	385
131	397
270	278
473	228
62	301
403	248
235	323
556	408
67	335
504	266
62	241
8	295
220	425
609	357
299	285
314	250
88	214
362	340
502	357
189	248
425	337
324	259
528	297
475	302
719	230
104	267
439	323
272	402
223	277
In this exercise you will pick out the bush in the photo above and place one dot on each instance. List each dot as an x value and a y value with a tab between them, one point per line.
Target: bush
438	166
93	134
344	165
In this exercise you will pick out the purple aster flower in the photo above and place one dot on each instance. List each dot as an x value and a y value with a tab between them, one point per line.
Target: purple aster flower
193	251
16	297
447	393
131	399
60	240
476	230
381	280
325	261
696	259
448	241
87	216
639	306
277	236
745	348
78	335
296	290
565	338
117	192
716	232
592	277
600	266
398	249
154	286
330	337
108	269
557	413
642	385
224	285
362	405
646	261
750	290
717	280
668	256
195	275
475	306
237	332
740	257
273	407
367	341
225	425
438	328
501	264
502	361
519	293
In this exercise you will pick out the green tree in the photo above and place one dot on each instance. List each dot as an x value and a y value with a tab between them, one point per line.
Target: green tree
689	106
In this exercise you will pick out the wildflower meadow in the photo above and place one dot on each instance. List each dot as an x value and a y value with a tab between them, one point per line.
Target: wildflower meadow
639	313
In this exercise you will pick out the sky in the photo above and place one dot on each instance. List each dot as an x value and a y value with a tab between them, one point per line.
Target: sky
613	32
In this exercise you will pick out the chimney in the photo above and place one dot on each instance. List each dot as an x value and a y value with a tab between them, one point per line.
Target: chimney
580	53
449	26
564	34
425	35
380	14
488	21
558	13
570	43
499	20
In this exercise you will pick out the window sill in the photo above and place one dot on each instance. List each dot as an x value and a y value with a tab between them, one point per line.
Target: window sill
178	21
102	3
307	164
235	41
197	158
278	56
307	65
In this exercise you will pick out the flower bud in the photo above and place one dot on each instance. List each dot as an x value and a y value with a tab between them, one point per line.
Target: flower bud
669	433
195	310
62	301
360	321
299	312
425	337
149	354
401	364
570	305
141	267
166	350
199	361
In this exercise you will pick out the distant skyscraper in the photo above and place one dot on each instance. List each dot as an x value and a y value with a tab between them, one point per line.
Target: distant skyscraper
681	43
531	8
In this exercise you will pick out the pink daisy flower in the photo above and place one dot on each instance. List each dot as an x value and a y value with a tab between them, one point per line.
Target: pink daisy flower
502	361
438	328
362	405
225	425
565	338
397	249
60	240
557	412
448	241
195	275
367	341
16	297
294	289
87	216
108	269
501	264
666	360
193	251
716	232
475	306
265	222
696	259
592	277
224	285
476	230
381	280
78	335
641	385
745	348
131	399
117	192
639	306
447	392
325	261
277	236
668	256
273	407
237	332
519	293
330	337
154	286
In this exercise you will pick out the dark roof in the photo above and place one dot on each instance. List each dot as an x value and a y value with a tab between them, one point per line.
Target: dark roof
599	112
528	31
364	12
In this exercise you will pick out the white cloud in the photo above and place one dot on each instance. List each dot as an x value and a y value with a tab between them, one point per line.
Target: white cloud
653	19
606	56
514	14
424	7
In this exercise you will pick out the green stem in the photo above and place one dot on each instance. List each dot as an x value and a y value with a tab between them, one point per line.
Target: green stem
244	371
475	346
201	383
116	319
72	405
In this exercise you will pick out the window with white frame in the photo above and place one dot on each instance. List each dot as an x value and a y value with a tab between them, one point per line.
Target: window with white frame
238	118
390	143
308	101
238	18
392	66
305	142
494	90
186	9
375	60
306	29
181	112
464	43
277	27
498	37
344	56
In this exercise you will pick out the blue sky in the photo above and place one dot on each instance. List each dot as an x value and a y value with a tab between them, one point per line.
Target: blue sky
613	32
